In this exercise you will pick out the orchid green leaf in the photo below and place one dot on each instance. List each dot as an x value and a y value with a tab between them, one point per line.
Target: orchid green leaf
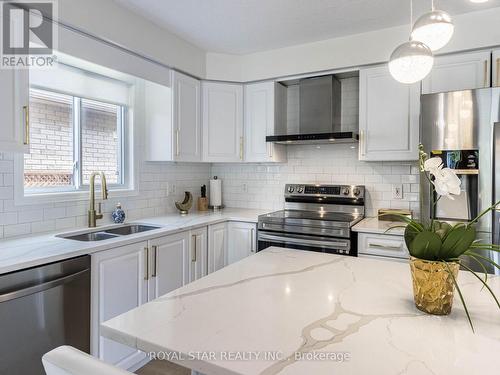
460	294
484	283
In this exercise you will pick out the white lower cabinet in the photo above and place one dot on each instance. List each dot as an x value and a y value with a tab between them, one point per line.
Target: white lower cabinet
241	240
118	285
128	276
197	265
169	259
388	246
217	247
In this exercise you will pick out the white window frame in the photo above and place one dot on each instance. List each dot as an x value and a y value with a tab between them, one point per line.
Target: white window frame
127	168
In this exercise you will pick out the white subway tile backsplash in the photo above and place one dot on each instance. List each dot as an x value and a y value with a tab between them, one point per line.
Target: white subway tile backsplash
337	164
54	213
16	230
152	198
30	216
66	223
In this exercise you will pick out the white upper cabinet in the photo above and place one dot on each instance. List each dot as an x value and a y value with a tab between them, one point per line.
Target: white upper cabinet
14	111
186	117
458	72
173	123
496	68
260	122
241	240
222	122
388	116
158	122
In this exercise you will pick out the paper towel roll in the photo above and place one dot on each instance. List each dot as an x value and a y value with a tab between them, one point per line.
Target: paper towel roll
215	192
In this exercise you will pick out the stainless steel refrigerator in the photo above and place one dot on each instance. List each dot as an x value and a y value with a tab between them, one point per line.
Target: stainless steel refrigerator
463	129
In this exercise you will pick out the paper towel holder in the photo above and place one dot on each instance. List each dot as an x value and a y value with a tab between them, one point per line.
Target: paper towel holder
216	208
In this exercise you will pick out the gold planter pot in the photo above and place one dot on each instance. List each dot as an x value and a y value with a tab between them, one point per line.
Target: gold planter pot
433	286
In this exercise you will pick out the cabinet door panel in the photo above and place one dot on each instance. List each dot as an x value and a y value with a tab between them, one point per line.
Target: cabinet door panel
14	104
388	117
260	121
496	68
169	260
158	122
217	249
187	117
198	253
458	72
222	122
241	240
119	285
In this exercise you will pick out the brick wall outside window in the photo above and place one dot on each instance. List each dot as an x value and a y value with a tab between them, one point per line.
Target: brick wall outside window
50	161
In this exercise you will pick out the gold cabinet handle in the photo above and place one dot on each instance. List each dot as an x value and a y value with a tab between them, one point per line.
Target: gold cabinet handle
146	263
485	73
385	247
241	148
498	72
362	142
155	261
193	253
252	249
26	111
177	151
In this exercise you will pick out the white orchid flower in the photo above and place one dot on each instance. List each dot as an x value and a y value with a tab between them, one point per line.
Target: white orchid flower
433	165
446	182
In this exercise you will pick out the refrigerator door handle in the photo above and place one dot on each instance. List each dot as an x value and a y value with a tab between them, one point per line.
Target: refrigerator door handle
496	183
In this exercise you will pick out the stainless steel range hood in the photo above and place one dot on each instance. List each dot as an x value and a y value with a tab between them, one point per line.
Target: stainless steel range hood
319	114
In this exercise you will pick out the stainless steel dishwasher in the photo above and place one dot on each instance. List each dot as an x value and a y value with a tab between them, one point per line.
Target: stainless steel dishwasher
42	308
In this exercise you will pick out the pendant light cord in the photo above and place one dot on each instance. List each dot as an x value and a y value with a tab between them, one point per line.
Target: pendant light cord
411	16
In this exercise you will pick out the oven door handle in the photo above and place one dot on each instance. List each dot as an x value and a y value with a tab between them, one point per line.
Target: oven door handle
302	240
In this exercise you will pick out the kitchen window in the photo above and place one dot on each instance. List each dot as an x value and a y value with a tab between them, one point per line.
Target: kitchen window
71	137
78	125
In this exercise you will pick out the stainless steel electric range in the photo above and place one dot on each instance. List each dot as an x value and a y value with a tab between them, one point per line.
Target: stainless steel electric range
316	217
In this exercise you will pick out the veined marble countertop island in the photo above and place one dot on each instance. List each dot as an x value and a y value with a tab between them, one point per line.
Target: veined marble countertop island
295	305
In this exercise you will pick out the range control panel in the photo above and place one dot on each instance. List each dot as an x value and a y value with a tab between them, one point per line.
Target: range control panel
337	191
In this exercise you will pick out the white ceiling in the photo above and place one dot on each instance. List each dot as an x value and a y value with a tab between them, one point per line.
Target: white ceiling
245	26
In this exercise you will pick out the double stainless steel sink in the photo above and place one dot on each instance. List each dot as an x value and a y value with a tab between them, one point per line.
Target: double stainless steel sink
106	234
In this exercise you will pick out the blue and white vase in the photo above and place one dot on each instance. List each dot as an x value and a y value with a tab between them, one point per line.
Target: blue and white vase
118	214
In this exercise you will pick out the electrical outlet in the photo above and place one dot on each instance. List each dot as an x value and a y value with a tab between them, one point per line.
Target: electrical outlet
172	189
397	191
244	188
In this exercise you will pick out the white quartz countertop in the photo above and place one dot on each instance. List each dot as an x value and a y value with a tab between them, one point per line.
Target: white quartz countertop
374	225
25	252
295	304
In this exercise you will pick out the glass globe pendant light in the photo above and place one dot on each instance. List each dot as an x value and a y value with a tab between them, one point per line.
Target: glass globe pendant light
434	29
411	61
